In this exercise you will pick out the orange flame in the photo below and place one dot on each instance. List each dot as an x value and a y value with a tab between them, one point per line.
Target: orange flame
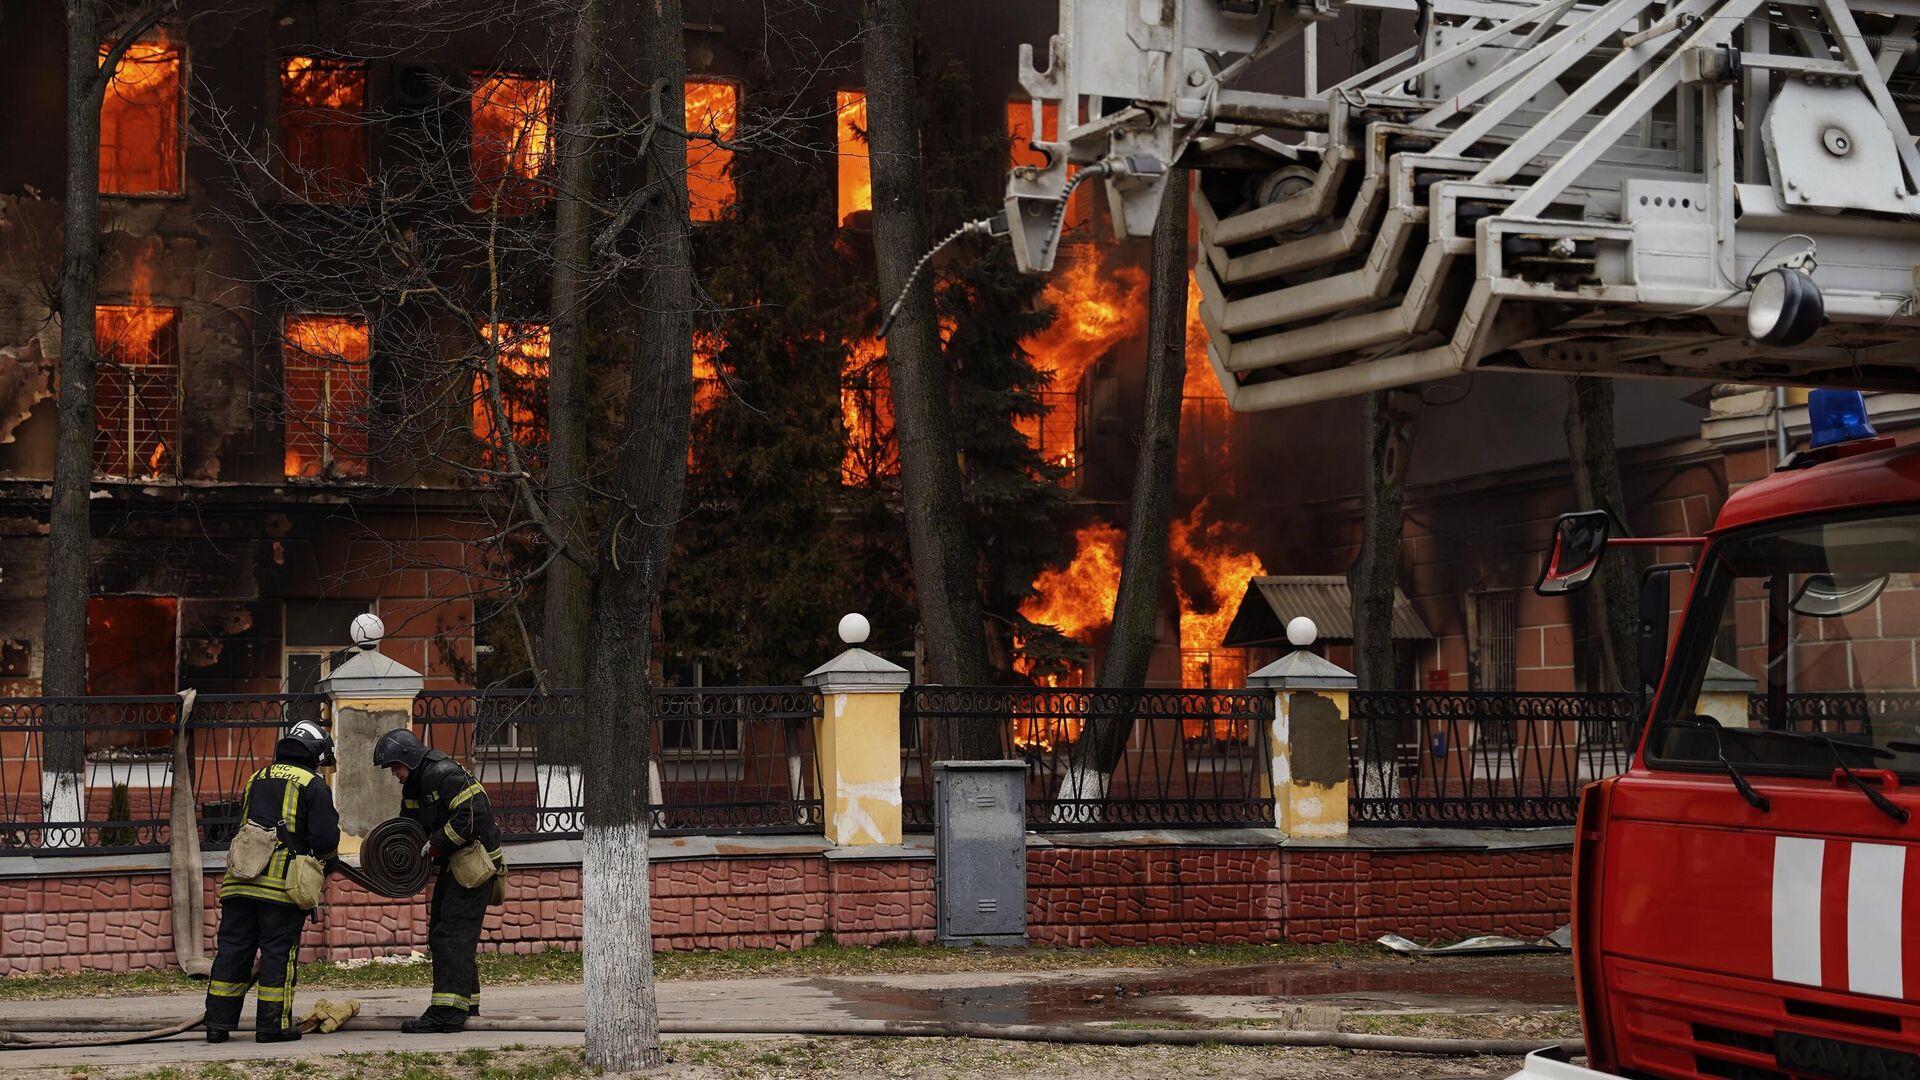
1206	423
140	122
1222	570
855	172
512	142
1077	599
712	107
1094	310
136	386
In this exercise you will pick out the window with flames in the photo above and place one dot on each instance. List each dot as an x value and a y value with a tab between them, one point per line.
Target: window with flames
855	165
136	392
324	364
870	455
712	108
322	128
512	142
140	120
517	413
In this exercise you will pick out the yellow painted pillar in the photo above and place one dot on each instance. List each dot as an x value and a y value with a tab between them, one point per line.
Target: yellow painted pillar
1309	738
1726	695
370	694
857	741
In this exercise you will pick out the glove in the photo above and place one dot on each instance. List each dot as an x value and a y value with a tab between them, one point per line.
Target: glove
426	851
327	1016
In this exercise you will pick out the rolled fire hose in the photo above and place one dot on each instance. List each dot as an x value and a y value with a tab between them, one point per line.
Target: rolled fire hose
390	860
920	1029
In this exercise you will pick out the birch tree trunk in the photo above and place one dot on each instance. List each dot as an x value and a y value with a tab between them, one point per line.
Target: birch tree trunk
945	568
1143	567
623	1020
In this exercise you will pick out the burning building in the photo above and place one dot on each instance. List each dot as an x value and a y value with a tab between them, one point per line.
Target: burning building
248	495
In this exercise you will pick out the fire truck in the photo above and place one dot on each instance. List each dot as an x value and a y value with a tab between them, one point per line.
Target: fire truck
1720	190
1741	892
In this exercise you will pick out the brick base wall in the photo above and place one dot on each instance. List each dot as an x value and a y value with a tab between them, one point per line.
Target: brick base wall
1076	896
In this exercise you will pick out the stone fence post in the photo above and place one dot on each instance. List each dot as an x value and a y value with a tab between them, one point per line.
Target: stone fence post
1726	695
857	741
371	694
1309	737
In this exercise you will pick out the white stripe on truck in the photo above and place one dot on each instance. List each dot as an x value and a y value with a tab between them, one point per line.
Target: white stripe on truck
1797	863
1876	878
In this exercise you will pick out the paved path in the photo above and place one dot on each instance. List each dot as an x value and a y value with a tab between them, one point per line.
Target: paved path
1090	996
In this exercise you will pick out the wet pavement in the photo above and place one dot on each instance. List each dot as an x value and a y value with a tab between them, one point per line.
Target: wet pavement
1452	984
1297	994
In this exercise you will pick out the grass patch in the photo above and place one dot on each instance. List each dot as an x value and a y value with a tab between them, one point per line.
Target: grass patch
554	966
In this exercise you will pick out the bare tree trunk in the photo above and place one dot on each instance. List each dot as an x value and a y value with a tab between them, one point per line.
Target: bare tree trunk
1596	481
1388	427
562	662
623	1020
1143	568
945	570
69	527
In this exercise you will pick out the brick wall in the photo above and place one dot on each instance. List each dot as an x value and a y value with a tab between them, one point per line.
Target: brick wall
1126	895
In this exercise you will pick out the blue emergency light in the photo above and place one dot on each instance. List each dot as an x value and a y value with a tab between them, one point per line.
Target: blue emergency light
1837	416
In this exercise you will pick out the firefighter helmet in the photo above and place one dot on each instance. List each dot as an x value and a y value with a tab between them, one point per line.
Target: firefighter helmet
309	742
399	747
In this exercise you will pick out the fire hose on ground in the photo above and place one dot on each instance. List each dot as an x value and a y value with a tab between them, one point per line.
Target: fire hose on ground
913	1029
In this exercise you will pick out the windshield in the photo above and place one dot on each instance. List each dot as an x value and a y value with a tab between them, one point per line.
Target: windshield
1808	628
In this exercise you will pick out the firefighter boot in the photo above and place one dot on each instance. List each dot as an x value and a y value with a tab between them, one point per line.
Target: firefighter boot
216	1034
438	1019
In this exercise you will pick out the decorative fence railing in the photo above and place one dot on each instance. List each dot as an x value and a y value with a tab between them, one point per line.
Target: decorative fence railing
1482	758
1172	758
725	760
1855	715
95	774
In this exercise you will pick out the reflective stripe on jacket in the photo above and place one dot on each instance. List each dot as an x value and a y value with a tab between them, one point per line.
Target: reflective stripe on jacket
298	805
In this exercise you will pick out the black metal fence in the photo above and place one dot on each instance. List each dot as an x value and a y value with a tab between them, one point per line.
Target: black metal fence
1175	758
95	775
1482	758
732	760
724	760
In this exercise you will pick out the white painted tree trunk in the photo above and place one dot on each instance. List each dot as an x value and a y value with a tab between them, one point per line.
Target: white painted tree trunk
1080	782
1376	780
623	1024
63	797
560	799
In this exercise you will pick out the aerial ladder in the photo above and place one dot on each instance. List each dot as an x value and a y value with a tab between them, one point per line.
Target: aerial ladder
1718	190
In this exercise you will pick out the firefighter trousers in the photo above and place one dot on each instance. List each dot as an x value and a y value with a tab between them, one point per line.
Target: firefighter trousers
250	927
453	940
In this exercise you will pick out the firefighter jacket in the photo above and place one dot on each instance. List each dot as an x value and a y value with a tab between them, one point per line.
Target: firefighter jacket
288	797
450	805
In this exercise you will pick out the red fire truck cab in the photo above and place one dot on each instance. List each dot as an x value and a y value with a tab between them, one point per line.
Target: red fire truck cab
1742	891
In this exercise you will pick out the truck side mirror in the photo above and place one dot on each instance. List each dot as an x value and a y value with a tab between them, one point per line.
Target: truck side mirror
1578	542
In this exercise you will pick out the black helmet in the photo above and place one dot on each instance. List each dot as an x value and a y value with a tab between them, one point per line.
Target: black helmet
305	740
399	747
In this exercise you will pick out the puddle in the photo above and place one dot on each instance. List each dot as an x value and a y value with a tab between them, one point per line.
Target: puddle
1449	985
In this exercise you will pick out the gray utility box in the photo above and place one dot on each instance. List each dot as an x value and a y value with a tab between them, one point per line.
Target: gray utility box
980	852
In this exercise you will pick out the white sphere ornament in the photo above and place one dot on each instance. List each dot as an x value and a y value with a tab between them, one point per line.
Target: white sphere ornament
1301	632
367	630
854	628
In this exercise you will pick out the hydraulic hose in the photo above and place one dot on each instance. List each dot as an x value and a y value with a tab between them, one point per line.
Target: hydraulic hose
390	860
917	1029
13	1040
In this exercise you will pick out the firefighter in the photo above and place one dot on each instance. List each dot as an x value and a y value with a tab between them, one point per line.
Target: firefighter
462	843
287	813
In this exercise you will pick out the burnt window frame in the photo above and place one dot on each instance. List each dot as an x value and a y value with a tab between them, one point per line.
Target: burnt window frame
328	457
503	203
733	184
170	36
102	366
364	128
